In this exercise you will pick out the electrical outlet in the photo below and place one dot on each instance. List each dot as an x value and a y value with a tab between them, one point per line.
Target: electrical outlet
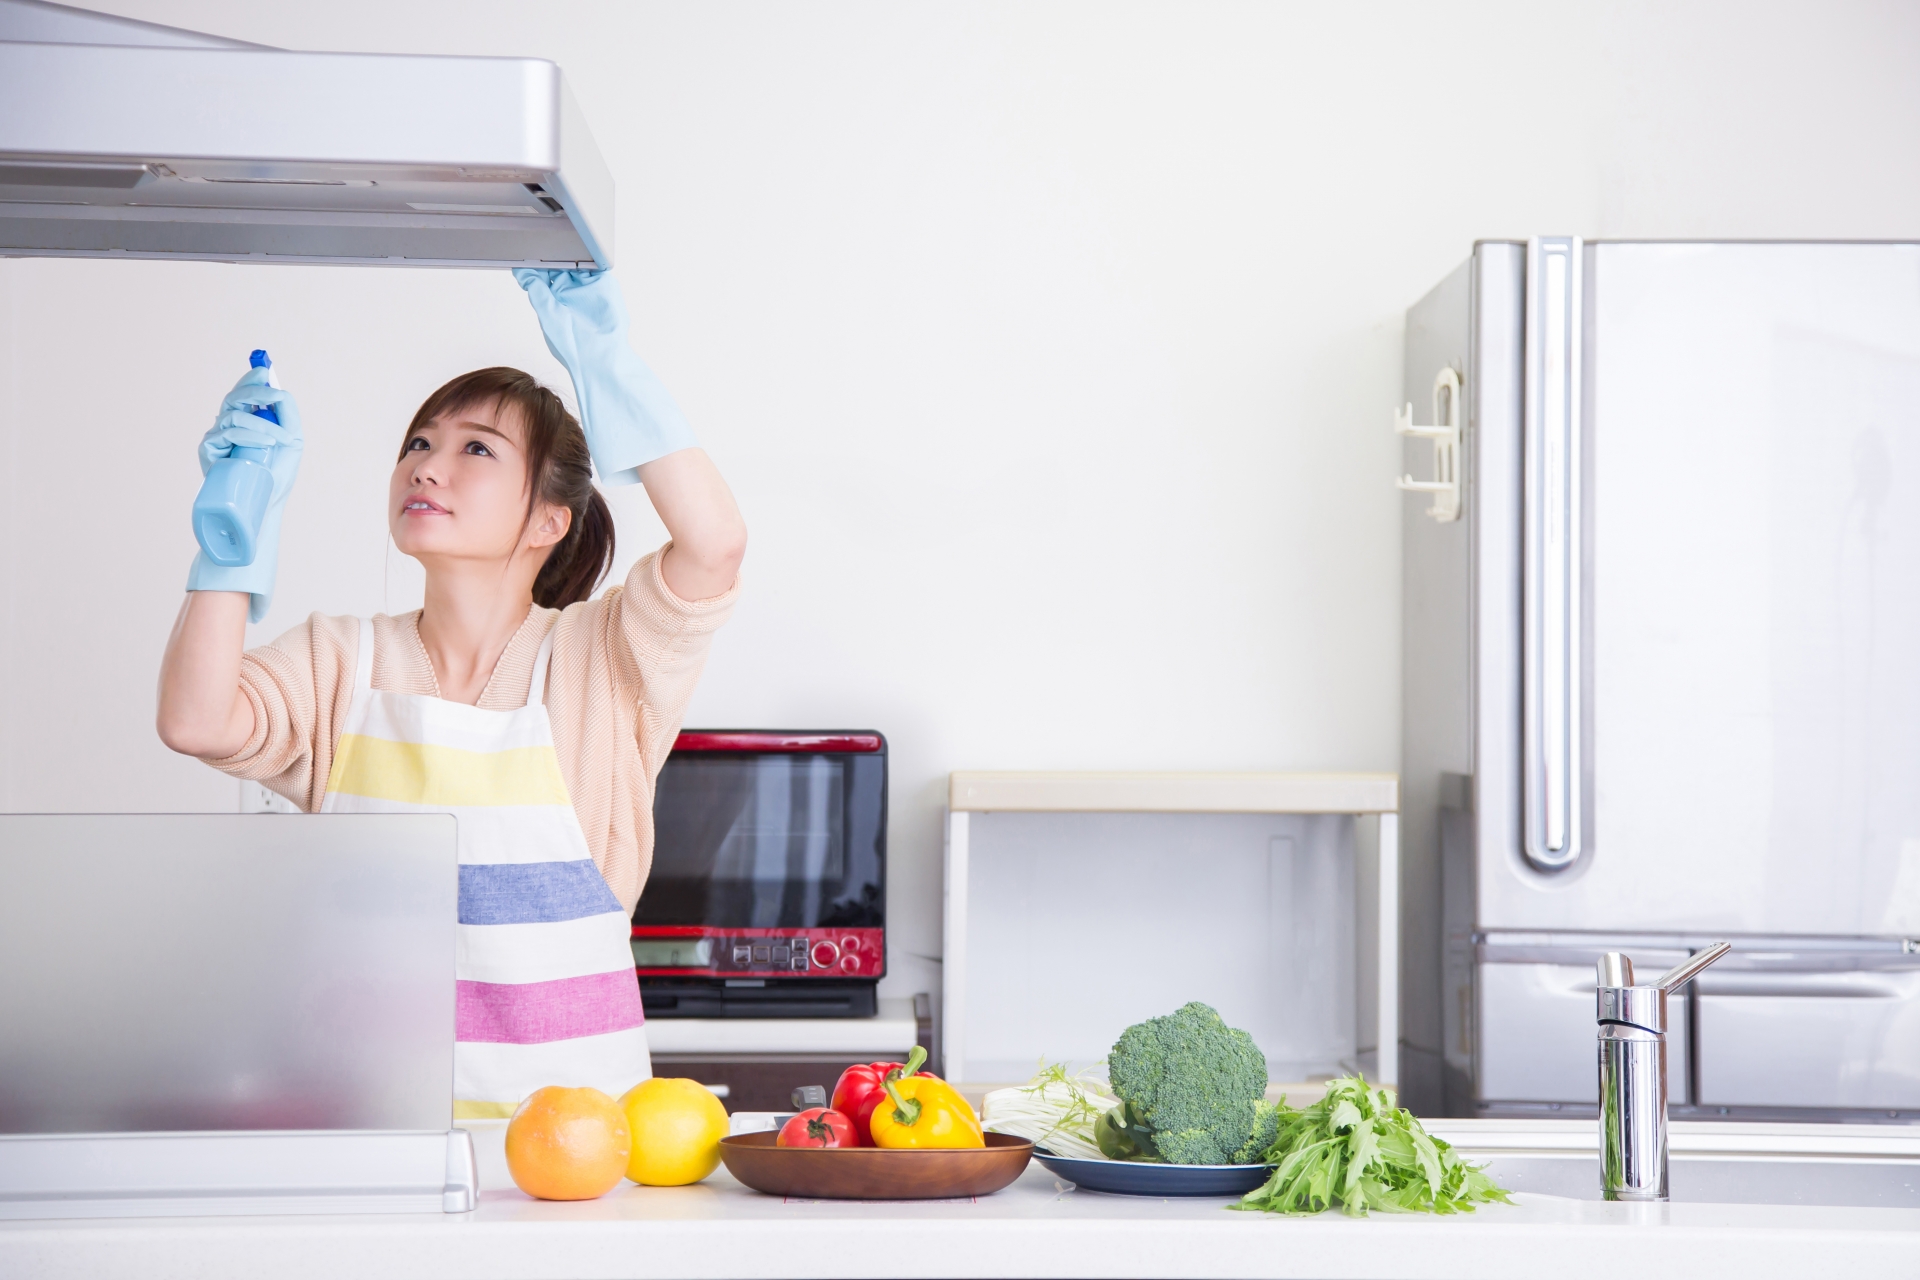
255	798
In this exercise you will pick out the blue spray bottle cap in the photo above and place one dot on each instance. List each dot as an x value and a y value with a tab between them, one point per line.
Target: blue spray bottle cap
259	359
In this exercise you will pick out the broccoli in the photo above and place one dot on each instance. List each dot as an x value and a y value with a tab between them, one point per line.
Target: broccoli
1199	1086
1266	1127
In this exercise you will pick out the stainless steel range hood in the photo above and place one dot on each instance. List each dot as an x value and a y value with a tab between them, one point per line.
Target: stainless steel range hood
125	139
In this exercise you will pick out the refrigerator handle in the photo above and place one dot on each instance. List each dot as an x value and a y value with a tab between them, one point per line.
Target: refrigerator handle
1552	587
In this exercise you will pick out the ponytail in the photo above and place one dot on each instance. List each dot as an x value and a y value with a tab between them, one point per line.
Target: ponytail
578	561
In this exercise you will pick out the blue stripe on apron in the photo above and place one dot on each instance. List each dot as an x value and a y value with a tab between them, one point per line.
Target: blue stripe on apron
533	892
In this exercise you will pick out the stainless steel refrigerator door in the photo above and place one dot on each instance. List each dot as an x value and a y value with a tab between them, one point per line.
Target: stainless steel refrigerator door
226	971
1467	330
1826	1030
1751	487
1537	1032
1436	644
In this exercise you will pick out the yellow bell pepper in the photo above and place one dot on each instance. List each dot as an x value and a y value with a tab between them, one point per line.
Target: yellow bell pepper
925	1111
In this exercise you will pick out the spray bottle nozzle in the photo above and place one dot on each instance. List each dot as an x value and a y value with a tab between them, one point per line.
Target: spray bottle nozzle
259	359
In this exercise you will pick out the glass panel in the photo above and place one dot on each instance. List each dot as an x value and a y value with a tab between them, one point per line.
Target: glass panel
198	971
673	953
766	841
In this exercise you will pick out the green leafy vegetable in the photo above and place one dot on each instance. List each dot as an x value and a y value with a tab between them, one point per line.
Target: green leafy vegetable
1054	1110
1358	1148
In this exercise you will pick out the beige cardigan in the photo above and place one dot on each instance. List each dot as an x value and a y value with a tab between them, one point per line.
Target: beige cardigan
623	669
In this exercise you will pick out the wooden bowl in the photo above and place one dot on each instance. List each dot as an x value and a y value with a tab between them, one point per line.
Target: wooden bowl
874	1173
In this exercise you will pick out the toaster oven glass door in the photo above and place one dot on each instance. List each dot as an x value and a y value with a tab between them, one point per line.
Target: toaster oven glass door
767	841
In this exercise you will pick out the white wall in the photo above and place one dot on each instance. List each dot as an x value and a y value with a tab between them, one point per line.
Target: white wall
1050	347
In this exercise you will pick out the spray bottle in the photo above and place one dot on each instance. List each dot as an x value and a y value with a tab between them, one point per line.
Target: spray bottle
233	499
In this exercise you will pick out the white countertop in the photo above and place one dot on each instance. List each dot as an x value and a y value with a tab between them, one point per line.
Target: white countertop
1030	792
1039	1227
893	1030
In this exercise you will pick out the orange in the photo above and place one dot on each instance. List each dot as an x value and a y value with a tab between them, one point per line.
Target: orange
677	1126
567	1144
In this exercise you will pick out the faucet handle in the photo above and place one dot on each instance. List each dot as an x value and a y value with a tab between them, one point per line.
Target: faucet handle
1690	968
1616	970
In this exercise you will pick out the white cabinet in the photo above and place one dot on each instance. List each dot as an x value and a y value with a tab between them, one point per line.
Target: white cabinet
1079	904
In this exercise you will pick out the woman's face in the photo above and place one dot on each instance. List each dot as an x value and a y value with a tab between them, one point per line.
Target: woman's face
459	490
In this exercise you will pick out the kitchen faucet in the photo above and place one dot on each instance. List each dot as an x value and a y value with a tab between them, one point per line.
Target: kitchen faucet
1633	1073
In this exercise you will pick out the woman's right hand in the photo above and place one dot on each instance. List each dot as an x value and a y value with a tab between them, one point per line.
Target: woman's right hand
237	426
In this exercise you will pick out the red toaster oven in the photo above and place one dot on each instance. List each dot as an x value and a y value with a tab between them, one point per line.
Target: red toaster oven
767	896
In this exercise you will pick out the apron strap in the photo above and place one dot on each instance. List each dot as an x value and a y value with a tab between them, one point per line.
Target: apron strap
363	661
536	692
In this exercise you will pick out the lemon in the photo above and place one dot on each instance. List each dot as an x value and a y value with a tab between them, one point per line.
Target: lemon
677	1126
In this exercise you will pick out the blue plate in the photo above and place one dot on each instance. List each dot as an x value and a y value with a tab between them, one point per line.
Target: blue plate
1134	1178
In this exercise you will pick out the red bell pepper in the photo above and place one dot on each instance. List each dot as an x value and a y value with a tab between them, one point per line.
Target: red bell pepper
818	1127
861	1088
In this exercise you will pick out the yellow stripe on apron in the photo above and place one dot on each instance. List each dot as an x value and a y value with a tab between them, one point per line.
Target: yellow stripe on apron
546	992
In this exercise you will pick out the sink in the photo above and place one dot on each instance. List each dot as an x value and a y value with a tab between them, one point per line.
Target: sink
1865	1166
1890	1184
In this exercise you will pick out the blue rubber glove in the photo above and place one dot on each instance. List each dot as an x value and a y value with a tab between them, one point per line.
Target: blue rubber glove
236	425
625	410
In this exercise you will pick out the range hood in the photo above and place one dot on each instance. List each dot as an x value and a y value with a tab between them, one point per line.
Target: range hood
123	139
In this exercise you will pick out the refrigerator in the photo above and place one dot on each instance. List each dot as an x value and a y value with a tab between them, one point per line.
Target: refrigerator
1661	674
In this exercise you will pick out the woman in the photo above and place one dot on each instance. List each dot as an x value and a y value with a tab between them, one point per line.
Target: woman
536	715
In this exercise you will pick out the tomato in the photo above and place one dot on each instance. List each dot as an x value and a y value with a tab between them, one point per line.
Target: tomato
818	1127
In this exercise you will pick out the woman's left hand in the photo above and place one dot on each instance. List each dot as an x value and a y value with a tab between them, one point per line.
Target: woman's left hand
625	410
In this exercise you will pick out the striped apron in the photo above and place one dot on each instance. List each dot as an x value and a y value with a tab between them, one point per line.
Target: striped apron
545	985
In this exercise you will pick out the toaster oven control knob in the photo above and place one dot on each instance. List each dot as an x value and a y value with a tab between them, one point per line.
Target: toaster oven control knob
825	953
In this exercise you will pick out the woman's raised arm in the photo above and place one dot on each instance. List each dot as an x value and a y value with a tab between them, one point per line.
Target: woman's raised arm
709	537
203	711
635	430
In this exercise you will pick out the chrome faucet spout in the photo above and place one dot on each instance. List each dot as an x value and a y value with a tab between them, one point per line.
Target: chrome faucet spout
1688	969
1633	1073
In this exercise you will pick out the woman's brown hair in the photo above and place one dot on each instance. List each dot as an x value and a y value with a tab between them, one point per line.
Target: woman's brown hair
559	471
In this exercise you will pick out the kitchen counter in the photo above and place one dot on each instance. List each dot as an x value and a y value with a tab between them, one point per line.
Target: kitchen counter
1039	1227
894	1030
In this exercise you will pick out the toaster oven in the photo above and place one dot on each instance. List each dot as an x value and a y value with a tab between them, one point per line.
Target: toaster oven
767	896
